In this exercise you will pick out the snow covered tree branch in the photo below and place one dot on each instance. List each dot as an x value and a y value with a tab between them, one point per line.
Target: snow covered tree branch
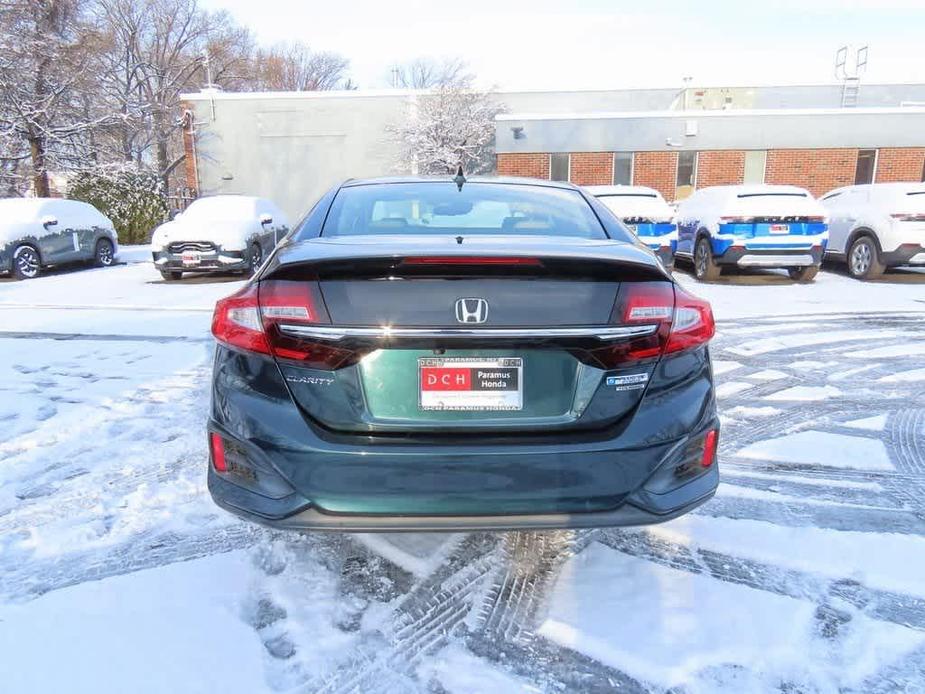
447	127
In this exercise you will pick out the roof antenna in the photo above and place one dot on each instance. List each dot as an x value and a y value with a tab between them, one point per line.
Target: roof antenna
460	178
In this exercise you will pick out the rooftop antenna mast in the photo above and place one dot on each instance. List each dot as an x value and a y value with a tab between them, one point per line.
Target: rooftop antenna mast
850	76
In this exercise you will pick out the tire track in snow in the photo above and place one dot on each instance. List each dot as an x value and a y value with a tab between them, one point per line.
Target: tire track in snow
883	605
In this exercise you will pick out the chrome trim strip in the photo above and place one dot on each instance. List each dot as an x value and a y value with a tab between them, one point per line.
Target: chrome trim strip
599	332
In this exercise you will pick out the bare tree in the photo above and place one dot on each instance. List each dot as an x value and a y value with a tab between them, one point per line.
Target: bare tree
295	67
45	49
448	127
156	50
428	73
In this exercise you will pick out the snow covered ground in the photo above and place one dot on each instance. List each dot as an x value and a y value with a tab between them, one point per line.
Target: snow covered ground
806	573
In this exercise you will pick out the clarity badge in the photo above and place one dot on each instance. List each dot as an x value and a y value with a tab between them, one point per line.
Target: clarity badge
628	382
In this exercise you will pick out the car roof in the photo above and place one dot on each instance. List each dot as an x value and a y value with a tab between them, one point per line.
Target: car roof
757	189
898	186
228	196
624	189
499	180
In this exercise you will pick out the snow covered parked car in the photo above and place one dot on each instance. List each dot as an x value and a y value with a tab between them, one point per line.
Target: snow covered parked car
647	215
221	233
766	226
39	232
876	226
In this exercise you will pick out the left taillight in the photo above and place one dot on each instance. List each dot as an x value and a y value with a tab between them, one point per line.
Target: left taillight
265	317
236	322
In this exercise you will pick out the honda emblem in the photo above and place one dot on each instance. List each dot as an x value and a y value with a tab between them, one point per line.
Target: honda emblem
471	310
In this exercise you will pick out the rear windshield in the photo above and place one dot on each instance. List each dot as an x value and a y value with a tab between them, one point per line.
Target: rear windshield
772	195
479	208
646	205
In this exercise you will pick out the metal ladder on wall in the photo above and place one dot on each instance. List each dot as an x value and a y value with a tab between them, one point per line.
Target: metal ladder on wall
849	93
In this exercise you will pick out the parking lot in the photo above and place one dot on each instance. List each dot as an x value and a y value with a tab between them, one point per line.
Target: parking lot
806	573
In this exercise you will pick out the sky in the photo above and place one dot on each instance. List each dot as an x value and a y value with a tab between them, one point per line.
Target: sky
587	44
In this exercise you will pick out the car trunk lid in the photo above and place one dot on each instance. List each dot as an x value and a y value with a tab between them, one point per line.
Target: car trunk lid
416	337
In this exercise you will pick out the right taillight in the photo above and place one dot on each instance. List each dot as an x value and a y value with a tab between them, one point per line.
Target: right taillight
679	320
692	324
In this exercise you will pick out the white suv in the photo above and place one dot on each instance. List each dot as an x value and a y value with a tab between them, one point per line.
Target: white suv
876	226
647	215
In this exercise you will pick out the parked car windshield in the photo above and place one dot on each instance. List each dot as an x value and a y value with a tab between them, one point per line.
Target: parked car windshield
479	208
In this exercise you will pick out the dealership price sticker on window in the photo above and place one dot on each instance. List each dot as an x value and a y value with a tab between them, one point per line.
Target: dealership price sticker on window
471	383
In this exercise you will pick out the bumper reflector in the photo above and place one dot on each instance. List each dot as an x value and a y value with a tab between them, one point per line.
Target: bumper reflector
218	452
709	448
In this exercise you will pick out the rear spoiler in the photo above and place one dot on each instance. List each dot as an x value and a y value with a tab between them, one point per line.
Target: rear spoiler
406	266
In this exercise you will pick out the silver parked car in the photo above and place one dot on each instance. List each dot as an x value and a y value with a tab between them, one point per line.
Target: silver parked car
38	232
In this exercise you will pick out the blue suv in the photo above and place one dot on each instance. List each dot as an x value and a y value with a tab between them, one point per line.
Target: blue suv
764	226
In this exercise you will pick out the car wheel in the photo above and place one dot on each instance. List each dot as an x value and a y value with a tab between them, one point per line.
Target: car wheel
803	274
104	255
27	264
171	275
254	258
864	259
705	267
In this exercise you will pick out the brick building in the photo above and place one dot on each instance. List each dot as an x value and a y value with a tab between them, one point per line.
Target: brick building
676	152
291	146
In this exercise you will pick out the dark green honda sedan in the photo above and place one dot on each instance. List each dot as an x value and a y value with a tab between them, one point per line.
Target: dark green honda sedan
443	354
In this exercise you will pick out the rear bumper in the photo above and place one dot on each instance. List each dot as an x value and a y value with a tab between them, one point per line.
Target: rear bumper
771	257
219	261
286	471
908	254
256	491
304	517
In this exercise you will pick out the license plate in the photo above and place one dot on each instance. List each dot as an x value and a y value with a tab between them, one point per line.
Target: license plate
471	384
190	258
779	229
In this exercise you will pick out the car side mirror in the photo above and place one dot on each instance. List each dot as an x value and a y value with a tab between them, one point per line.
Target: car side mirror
49	221
266	219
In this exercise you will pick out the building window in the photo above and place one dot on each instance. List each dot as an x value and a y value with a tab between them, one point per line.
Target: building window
558	166
867	165
623	168
687	174
755	162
